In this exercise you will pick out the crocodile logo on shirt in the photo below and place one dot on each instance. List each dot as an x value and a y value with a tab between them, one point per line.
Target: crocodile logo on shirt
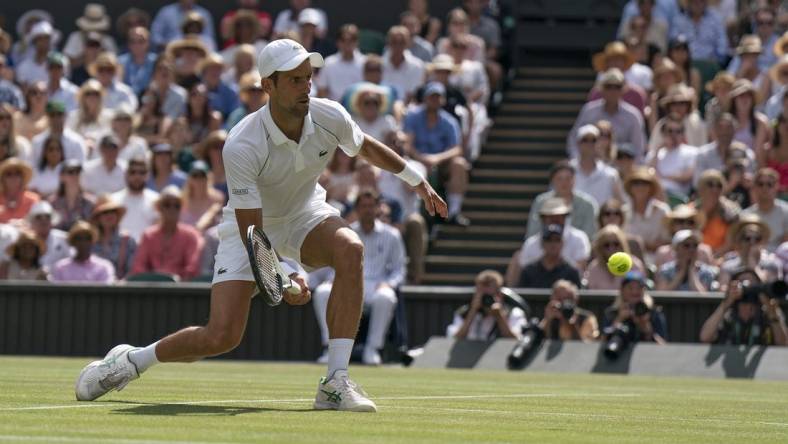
322	153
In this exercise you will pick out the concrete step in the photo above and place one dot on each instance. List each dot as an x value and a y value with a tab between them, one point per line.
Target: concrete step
467	260
487	216
545	108
553	84
528	121
529	133
555	72
509	204
506	188
558	96
526	161
503	246
558	146
449	278
510	174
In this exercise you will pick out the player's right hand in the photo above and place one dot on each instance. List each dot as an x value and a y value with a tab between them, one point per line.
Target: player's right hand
300	298
432	202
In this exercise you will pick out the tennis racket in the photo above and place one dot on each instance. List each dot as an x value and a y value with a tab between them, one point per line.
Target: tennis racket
268	274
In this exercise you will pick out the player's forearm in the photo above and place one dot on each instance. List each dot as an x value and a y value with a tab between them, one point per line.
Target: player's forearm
381	156
246	218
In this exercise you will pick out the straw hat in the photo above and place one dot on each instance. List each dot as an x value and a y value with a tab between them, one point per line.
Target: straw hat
33	14
82	227
774	71
744	220
644	174
104	60
94	18
193	43
554	206
26	237
192	17
667	66
369	89
743	86
679	93
245	15
780	45
212	59
15	164
684	211
442	62
722	78
749	44
104	204
613	49
213	138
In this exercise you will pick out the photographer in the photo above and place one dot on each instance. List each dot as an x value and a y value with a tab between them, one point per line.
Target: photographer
487	317
564	320
634	312
747	315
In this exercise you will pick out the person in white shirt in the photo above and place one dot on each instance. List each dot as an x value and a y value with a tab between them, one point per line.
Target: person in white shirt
401	69
592	176
369	111
46	169
42	218
344	68
675	161
384	271
34	68
106	173
116	93
287	20
273	159
91	119
131	145
60	89
73	144
140	202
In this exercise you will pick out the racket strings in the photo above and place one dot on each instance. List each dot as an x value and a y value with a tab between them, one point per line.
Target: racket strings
265	262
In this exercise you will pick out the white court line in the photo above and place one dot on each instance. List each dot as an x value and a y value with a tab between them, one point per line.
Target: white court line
23	438
263	401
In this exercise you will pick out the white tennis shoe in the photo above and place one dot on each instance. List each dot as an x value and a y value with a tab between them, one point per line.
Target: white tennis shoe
340	393
113	372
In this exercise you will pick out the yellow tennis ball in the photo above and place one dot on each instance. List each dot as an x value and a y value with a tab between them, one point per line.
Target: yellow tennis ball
619	263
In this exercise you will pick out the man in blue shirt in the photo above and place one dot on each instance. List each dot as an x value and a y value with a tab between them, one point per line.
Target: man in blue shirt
166	26
704	29
221	97
139	61
434	137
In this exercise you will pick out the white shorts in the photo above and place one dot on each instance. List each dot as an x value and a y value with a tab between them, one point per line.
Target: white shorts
286	234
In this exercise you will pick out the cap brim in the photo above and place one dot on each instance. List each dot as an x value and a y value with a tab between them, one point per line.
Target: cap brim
315	59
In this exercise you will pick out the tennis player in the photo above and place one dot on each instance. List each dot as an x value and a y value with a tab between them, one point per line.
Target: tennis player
273	159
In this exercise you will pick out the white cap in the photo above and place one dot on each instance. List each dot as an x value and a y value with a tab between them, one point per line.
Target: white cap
285	55
309	16
587	130
683	235
43	208
39	29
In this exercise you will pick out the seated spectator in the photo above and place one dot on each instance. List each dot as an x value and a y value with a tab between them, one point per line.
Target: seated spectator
715	155
344	68
679	53
106	173
221	97
93	48
612	213
252	97
131	145
402	70
11	143
47	168
187	55
720	88
776	157
24	259
481	25
373	73
470	78
747	52
34	68
139	201
458	25
132	18
71	203
210	151
645	210
564	320
434	141
243	62
551	267
745	317
244	28
739	180
369	111
151	123
718	211
674	161
166	26
178	135
770	209
562	185
112	244
440	70
419	46
748	238
763	20
487	318
592	175
683	217
24	48
83	266
624	161
93	20
32	120
339	180
169	246
637	78
308	21
430	25
201	117
287	19
628	125
172	97
635	309
8	235
776	103
202	204
753	127
59	88
705	31
687	272
383	273
41	220
192	28
15	199
163	169
680	106
608	240
9	93
648	24
137	64
117	94
91	119
576	249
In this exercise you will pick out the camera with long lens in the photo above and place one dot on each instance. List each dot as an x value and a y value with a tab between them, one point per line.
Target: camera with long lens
617	341
487	301
640	308
567	309
532	337
772	290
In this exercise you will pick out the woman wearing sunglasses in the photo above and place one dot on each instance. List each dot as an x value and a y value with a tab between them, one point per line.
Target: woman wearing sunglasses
748	237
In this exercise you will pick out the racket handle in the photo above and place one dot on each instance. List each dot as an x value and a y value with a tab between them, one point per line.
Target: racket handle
293	287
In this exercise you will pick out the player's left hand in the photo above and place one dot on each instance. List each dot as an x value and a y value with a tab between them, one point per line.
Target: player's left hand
432	202
301	298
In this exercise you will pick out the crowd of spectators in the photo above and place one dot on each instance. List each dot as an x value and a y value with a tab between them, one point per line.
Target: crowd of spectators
111	138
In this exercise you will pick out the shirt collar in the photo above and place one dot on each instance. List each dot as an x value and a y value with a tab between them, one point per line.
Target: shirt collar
280	139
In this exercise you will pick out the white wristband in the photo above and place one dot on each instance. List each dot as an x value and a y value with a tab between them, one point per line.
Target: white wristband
286	268
410	176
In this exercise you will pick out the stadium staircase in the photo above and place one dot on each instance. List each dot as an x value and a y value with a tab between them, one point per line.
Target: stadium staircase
528	136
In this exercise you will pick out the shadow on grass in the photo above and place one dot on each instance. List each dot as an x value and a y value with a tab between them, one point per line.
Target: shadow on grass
197	410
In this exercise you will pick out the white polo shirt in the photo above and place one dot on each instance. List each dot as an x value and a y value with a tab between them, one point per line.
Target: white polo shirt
601	184
406	78
577	247
96	179
338	74
671	162
267	170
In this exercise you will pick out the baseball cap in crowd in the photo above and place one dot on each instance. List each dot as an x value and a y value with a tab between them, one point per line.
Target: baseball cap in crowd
110	140
683	235
634	276
587	130
612	76
57	59
309	16
198	167
552	230
161	148
285	55
627	149
55	107
43	208
435	88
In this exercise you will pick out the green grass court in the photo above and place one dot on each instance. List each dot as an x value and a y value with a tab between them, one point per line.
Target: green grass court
223	401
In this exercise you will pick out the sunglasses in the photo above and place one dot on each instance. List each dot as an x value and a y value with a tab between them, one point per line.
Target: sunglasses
82	238
371	103
552	239
765	22
13	174
676	131
689	245
171	206
5	117
612	213
137	172
690	222
767	184
72	171
36	93
713	184
613	86
611	245
750	239
588	140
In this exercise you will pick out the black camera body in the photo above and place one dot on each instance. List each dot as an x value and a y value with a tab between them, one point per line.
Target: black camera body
640	308
617	341
567	309
772	290
487	300
530	341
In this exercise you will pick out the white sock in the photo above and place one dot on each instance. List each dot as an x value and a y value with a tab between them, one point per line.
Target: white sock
339	351
455	203
144	358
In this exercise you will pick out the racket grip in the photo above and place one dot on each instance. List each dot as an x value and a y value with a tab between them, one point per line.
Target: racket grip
293	288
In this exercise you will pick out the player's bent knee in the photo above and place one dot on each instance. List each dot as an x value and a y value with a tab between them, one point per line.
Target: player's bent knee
223	340
349	253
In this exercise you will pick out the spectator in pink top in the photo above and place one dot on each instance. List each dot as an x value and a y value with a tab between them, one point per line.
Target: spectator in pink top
169	246
84	266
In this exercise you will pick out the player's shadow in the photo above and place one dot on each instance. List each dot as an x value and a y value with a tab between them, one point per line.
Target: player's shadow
199	410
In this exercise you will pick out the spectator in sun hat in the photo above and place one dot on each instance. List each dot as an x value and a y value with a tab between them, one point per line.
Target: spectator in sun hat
687	272
221	96
83	266
113	244
639	78
680	105
41	220
106	70
719	87
34	68
440	70
166	26
187	55
645	209
137	63
683	217
229	24
369	110
764	21
94	19
23	49
59	87
748	238
24	259
15	199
